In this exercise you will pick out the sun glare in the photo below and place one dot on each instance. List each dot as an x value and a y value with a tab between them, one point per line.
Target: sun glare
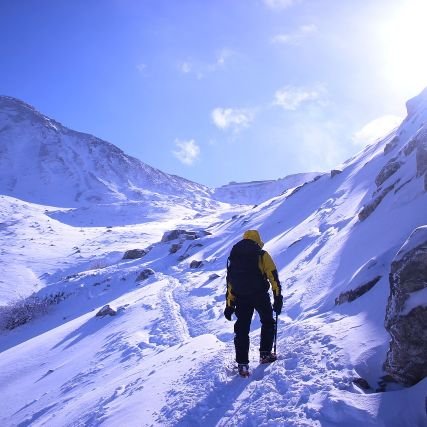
405	39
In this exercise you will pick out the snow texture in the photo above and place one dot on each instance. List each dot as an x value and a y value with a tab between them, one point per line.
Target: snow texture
166	357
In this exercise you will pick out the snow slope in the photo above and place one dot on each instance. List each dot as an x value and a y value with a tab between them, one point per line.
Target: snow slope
43	162
166	358
259	191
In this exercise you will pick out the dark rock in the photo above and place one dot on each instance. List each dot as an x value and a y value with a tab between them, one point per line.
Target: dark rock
361	383
353	294
175	247
391	145
145	274
196	264
387	171
370	207
135	253
179	234
421	154
410	147
106	311
406	315
214	276
335	172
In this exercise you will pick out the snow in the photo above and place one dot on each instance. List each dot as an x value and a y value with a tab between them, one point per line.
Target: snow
166	358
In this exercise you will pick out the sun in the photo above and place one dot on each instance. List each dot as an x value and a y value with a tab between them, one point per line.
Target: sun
404	36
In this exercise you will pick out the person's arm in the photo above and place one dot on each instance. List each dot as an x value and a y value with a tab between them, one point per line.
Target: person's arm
230	297
270	271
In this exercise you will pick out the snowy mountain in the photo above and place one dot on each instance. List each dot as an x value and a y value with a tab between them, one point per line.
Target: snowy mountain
350	248
43	162
259	191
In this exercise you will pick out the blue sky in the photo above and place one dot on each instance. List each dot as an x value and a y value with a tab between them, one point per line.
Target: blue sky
219	90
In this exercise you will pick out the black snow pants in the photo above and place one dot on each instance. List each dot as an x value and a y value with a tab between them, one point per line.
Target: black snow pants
245	306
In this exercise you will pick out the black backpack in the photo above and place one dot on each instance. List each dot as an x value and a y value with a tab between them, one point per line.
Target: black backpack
243	270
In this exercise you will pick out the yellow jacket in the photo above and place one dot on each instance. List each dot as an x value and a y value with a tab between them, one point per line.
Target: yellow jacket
266	266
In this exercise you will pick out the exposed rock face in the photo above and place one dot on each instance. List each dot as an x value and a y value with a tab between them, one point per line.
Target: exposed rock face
406	316
335	172
370	207
391	145
145	274
135	253
353	294
421	154
176	234
195	264
106	311
387	171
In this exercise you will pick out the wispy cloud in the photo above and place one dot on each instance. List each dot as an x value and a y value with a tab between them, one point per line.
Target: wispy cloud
185	67
201	69
292	97
295	37
186	151
141	67
230	118
376	129
280	4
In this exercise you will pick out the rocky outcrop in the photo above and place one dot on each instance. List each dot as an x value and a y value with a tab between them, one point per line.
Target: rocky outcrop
387	171
145	274
391	145
370	207
406	316
335	172
107	310
179	234
421	154
353	294
196	264
135	253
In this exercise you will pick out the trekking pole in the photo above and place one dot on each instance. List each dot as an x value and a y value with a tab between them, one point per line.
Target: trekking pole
275	335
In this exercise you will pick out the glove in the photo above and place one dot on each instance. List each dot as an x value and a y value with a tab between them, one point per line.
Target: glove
278	304
228	311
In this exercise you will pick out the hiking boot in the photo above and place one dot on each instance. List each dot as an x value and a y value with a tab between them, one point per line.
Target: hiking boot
243	369
267	357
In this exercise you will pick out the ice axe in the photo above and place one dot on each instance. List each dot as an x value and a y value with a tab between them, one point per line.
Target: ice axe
275	334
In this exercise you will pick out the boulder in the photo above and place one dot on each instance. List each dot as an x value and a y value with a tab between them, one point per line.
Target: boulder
168	236
107	310
196	264
145	274
335	172
175	247
406	315
135	253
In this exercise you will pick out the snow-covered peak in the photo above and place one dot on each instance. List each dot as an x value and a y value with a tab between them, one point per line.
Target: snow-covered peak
44	162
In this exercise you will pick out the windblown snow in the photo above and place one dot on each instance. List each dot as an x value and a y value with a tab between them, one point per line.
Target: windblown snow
166	357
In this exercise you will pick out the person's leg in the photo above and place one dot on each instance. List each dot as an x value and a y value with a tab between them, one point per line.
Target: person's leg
244	312
265	311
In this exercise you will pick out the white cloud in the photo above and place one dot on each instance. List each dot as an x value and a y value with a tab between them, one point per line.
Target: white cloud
141	67
185	67
291	97
279	4
296	37
187	151
225	118
376	129
200	69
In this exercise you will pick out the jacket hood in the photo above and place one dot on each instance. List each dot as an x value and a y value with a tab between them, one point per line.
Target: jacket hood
253	235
